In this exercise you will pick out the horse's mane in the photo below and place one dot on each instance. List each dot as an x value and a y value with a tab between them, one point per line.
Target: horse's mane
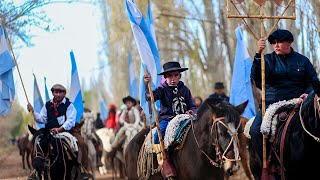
220	108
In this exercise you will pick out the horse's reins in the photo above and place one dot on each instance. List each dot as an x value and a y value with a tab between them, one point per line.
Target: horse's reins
317	110
220	158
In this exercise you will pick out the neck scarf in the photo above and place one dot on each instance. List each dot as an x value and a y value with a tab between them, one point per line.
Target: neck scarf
178	103
54	107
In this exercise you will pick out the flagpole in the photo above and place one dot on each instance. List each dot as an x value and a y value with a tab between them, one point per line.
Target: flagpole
15	61
155	117
263	89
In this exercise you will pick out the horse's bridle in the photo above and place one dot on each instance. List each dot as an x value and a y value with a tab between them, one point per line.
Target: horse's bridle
220	157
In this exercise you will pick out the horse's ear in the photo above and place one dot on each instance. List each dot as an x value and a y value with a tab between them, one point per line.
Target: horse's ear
242	107
32	130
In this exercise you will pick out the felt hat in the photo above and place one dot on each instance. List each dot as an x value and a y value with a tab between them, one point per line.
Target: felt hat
172	66
129	98
219	85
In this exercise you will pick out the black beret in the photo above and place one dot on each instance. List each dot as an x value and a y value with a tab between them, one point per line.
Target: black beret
280	35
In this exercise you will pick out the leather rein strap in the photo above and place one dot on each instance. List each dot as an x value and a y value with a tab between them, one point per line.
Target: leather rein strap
282	141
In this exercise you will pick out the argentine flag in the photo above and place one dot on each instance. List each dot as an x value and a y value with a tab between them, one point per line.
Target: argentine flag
241	89
37	100
7	89
133	86
75	89
147	49
103	109
46	90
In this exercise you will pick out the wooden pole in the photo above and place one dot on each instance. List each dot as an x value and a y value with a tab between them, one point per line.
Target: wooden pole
263	102
155	116
15	61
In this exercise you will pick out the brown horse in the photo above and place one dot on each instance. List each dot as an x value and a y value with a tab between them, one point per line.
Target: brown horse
25	148
211	144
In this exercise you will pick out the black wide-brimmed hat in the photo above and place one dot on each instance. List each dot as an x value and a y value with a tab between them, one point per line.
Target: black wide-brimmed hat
129	98
172	66
280	35
219	85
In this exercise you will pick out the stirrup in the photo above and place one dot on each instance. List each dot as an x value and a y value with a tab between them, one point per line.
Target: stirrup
33	175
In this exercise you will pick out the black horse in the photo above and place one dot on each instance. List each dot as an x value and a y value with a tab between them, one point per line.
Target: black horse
213	136
301	150
53	159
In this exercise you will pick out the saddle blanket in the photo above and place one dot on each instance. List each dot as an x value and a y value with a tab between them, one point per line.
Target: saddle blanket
69	139
269	122
174	132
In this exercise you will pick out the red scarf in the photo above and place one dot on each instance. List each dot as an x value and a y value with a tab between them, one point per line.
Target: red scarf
54	107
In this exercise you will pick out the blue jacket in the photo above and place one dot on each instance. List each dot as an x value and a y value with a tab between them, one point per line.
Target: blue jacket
165	95
286	76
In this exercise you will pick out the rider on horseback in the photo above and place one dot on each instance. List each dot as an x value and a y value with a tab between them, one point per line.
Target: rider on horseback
129	116
59	115
288	75
175	99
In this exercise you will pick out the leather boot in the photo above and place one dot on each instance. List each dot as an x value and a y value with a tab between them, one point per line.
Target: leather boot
168	169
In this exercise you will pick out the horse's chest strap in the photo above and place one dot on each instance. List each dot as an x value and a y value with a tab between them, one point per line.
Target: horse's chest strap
282	140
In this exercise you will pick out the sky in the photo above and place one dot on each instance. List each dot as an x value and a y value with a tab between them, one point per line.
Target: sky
49	57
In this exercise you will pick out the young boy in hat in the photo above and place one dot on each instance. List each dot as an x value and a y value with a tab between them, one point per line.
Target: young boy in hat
175	99
130	115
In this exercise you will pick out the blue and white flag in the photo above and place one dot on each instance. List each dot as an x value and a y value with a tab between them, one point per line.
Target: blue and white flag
133	86
103	109
37	100
241	89
46	90
150	23
75	89
147	49
7	89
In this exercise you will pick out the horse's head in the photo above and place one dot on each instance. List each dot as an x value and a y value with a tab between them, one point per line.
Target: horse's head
41	147
224	126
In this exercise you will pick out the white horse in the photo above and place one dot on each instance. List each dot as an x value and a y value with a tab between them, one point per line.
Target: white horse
87	130
106	135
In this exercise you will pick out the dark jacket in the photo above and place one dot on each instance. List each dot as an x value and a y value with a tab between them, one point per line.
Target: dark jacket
286	76
52	119
165	95
220	96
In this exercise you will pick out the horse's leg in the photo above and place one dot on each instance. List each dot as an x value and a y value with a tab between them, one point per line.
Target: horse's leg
92	157
22	156
28	158
244	155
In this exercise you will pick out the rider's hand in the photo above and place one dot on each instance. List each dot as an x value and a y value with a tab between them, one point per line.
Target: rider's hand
146	78
57	130
190	113
261	45
30	108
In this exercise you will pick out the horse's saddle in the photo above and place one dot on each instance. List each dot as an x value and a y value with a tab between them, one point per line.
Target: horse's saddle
275	115
176	133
